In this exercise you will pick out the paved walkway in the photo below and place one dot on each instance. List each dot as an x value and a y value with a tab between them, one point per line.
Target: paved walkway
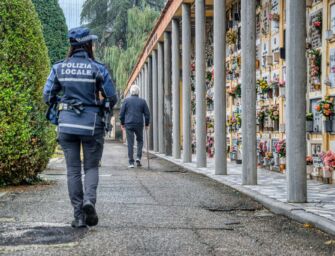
163	211
272	192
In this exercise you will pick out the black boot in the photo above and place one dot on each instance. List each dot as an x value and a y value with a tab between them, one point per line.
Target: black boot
78	223
91	217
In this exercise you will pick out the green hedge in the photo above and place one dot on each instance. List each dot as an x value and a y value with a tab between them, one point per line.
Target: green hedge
26	139
54	28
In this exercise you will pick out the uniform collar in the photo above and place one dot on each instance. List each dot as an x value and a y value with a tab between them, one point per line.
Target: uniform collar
81	53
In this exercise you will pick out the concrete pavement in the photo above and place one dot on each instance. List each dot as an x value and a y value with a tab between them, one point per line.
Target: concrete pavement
163	211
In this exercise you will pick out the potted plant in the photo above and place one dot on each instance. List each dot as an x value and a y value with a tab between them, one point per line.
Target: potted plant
309	166
309	122
281	151
326	108
273	113
329	165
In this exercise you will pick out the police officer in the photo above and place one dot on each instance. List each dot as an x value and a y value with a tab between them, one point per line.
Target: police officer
80	85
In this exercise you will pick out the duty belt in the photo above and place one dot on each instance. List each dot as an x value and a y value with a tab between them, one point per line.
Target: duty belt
76	107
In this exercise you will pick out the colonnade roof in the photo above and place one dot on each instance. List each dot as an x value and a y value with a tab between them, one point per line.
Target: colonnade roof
171	10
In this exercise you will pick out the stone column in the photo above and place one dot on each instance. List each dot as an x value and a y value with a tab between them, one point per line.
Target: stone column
145	81
145	95
220	141
175	89
150	102
200	84
248	68
155	99
141	83
161	146
296	101
167	95
186	58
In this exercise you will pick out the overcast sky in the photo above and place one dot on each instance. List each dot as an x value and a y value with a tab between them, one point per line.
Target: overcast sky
72	10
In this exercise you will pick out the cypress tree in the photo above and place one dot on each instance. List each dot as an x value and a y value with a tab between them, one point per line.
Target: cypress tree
26	139
54	28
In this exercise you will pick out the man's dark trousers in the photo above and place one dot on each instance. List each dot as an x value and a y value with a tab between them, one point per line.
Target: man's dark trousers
132	130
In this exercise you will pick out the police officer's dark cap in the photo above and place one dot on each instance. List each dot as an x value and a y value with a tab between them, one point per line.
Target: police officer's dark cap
80	36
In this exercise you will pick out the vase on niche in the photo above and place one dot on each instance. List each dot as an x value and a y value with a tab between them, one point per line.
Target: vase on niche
309	171
328	123
327	174
282	164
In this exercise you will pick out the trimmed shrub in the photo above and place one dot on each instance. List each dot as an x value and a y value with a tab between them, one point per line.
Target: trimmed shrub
54	28
26	139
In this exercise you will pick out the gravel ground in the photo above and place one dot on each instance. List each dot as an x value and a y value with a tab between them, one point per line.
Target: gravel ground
162	211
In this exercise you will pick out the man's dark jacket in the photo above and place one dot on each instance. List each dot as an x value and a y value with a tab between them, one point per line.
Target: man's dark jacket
132	111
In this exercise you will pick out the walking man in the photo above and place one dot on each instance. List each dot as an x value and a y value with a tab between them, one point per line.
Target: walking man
134	113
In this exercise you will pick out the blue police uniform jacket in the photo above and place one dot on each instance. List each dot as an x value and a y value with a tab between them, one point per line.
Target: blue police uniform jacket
77	81
132	112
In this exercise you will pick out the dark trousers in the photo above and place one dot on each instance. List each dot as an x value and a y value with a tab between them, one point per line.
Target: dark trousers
92	149
131	131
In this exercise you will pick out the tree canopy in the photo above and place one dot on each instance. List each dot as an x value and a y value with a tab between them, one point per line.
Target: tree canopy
123	26
108	18
54	28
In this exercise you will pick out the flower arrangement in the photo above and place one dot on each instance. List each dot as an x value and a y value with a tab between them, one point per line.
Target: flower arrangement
281	148
268	155
263	85
235	91
328	159
231	121
309	160
209	99
273	112
325	107
309	116
231	37
209	75
261	114
317	23
238	119
282	83
314	57
274	17
262	148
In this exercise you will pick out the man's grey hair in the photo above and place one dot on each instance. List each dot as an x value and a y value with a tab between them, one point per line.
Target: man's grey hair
134	90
